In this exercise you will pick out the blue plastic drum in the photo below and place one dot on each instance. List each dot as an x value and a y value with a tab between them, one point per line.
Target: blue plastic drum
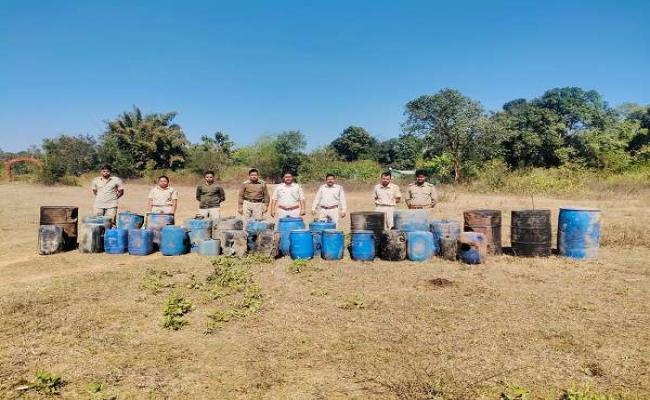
302	244
362	246
332	244
578	233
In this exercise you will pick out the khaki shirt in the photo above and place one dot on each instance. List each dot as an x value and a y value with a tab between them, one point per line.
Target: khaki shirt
424	195
387	195
107	191
255	192
162	197
330	196
210	196
288	195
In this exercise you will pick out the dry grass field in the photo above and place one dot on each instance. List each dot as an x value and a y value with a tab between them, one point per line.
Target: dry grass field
512	328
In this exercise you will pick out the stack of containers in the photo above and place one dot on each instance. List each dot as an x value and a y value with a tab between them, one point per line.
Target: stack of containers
317	228
231	236
420	245
63	239
116	240
446	234
285	226
198	231
369	221
155	223
254	228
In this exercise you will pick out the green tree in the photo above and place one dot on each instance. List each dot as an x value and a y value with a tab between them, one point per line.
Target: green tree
401	152
533	136
68	155
578	108
133	142
289	146
607	148
640	143
449	121
212	153
355	143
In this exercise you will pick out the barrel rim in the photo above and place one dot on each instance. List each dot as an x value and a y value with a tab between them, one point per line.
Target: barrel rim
363	232
332	232
297	231
578	208
483	210
291	219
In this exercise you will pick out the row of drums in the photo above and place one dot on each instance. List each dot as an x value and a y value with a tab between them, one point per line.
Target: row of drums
416	237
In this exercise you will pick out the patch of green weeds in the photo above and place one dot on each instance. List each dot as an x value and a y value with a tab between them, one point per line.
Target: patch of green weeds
194	283
175	308
257	258
229	276
95	387
514	392
251	302
297	266
586	394
353	303
319	292
154	281
44	382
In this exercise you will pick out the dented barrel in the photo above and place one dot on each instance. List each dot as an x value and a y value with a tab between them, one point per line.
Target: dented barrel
578	232
66	217
530	233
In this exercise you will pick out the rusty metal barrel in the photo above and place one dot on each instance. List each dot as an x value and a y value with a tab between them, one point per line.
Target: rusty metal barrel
487	222
530	233
65	217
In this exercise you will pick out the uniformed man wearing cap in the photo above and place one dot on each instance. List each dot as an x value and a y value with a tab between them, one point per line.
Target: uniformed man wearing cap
421	194
387	195
253	197
288	199
330	201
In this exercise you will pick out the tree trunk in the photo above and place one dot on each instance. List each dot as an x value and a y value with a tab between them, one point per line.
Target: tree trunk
457	172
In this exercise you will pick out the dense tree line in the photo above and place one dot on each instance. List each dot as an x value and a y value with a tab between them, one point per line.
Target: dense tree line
447	132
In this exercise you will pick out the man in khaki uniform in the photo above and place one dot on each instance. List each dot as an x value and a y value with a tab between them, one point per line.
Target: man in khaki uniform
253	197
210	196
387	195
421	194
107	189
330	201
288	199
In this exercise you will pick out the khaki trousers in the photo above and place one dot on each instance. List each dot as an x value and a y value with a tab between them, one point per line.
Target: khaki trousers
212	213
332	213
388	215
107	212
252	210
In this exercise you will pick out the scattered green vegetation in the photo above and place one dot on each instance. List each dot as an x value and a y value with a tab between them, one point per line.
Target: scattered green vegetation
175	309
95	387
44	382
514	392
297	266
353	303
154	281
231	276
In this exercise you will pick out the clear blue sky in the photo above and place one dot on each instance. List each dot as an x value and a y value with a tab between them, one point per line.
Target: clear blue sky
252	68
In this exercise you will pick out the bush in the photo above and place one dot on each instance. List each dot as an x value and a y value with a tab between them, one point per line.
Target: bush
355	171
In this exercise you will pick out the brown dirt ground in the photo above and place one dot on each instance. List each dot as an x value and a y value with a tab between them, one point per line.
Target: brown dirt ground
336	330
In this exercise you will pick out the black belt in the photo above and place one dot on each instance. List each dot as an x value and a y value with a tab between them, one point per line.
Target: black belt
254	201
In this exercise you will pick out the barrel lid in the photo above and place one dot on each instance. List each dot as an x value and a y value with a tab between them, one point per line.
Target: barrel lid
299	231
159	213
291	219
363	232
332	232
170	227
578	208
483	210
